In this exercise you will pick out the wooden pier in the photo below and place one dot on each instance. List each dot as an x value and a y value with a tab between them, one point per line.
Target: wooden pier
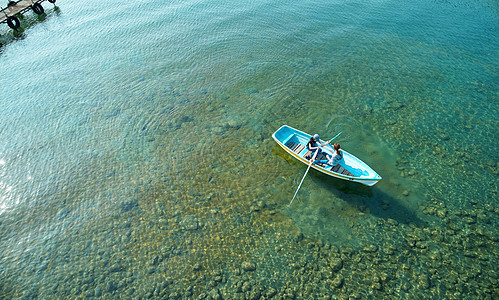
8	14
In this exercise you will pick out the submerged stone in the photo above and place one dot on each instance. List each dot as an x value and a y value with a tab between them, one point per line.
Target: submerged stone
376	286
98	291
370	248
338	281
115	268
114	113
128	206
248	266
62	213
189	223
215	294
336	264
111	287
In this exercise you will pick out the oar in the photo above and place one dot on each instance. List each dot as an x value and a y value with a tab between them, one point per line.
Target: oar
309	165
335	137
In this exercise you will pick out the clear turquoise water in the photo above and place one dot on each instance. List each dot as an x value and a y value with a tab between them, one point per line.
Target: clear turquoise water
136	156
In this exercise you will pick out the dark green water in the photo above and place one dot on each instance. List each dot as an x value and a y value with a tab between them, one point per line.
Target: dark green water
136	158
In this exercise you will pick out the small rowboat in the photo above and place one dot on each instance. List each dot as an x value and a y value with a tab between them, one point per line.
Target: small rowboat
349	168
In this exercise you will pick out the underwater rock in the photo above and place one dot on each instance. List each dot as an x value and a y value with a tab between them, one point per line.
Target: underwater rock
424	281
255	294
111	286
155	261
370	248
385	204
270	292
114	113
392	222
254	208
336	264
215	294
337	281
376	286
62	213
186	119
248	266
388	249
98	291
115	268
298	236
232	123
196	267
444	136
128	206
245	286
482	217
347	251
468	220
189	223
31	294
260	204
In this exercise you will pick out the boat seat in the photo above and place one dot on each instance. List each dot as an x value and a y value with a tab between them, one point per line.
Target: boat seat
295	147
339	169
320	156
336	168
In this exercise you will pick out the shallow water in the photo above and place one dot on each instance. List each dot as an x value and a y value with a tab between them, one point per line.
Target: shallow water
136	157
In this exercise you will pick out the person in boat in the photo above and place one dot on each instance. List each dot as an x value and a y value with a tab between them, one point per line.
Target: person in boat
337	155
313	146
332	160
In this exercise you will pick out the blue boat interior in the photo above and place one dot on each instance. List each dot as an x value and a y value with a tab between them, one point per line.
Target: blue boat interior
299	148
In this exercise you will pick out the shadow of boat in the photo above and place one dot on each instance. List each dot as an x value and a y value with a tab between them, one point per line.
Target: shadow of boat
372	200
